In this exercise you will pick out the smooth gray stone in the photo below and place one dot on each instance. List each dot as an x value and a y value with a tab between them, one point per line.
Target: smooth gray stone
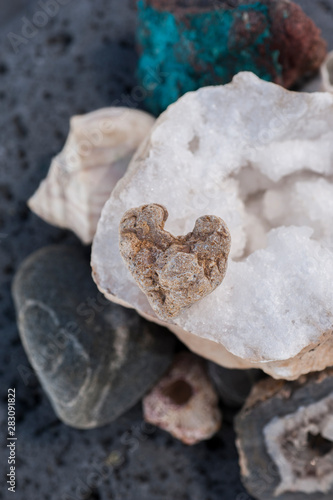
94	359
233	386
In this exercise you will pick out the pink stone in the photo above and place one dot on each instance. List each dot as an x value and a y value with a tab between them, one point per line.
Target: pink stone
184	402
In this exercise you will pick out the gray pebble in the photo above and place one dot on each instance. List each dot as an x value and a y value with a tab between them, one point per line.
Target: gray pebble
94	359
233	386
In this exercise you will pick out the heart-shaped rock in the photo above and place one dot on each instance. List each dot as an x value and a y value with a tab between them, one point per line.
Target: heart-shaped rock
173	272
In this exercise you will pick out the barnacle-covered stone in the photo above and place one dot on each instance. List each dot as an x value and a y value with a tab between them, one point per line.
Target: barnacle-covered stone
184	401
326	71
261	158
285	439
97	152
173	272
189	44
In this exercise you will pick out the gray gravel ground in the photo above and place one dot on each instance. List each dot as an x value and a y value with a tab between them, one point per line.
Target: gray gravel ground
82	58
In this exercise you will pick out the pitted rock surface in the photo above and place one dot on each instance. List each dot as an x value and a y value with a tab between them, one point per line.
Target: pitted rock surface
174	272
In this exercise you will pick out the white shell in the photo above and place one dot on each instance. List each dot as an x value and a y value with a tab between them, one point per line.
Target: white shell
326	71
96	155
261	158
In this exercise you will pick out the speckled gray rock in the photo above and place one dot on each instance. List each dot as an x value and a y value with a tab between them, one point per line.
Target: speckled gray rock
233	386
94	359
285	439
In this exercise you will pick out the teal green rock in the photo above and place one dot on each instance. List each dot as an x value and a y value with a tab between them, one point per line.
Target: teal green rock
185	45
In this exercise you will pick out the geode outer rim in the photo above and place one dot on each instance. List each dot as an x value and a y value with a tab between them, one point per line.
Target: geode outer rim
277	398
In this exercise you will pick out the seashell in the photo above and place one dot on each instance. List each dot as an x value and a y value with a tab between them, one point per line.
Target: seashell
97	152
326	72
184	401
261	158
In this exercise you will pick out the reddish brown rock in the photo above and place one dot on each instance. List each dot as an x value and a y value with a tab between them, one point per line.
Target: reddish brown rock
298	41
173	272
204	43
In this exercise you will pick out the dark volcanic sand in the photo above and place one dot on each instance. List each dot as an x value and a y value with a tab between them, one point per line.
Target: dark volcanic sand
82	59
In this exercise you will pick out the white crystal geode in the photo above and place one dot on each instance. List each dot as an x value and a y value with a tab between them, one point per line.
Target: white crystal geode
261	158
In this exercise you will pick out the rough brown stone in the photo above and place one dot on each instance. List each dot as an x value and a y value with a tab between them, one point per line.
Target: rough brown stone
173	272
298	41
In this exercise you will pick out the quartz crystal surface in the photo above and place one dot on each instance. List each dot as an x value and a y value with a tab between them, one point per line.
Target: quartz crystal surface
261	158
285	439
288	441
